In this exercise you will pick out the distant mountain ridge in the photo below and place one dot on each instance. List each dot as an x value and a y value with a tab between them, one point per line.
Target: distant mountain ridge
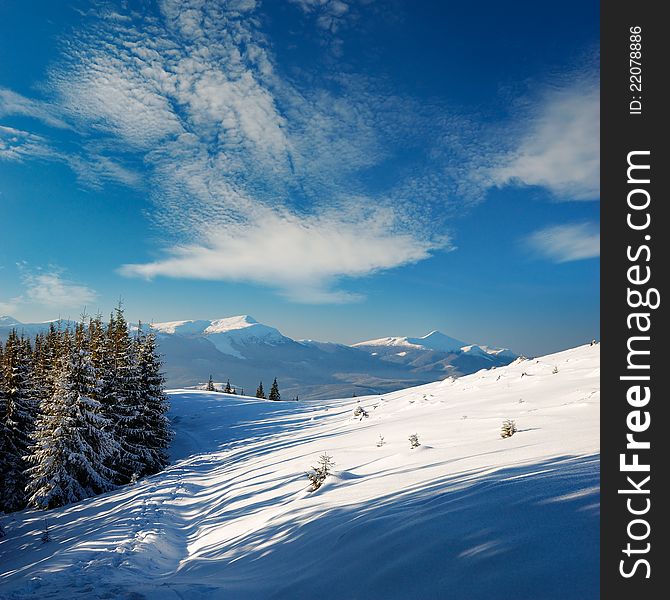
244	351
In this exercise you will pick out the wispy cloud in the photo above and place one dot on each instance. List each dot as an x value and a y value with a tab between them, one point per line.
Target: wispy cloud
301	257
565	243
12	103
18	145
49	287
559	145
9	307
253	177
260	177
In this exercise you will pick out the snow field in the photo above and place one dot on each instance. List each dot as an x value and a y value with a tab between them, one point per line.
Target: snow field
466	515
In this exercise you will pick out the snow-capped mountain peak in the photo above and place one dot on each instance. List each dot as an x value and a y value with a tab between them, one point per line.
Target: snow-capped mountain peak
229	335
188	327
8	321
245	351
435	340
231	323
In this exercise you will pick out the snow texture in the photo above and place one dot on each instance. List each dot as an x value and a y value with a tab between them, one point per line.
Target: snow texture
467	515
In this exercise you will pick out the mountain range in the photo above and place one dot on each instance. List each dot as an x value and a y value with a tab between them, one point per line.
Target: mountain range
244	351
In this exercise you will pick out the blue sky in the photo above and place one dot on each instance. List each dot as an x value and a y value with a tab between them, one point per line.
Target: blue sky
338	169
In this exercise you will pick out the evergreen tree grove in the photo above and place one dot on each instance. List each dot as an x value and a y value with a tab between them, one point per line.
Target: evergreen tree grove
71	439
17	417
81	411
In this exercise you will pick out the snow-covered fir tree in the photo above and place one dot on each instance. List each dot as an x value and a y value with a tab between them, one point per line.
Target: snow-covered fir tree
72	437
18	408
274	391
260	392
154	406
228	389
319	473
123	400
80	412
210	385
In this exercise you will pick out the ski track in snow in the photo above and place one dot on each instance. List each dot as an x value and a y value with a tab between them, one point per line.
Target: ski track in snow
460	517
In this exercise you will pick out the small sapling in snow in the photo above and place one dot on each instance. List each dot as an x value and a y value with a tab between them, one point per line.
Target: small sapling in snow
359	411
319	473
414	441
508	428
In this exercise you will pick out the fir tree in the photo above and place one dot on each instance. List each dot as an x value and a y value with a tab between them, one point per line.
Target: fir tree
10	464
18	410
71	440
121	399
210	385
228	389
274	391
319	473
154	407
260	393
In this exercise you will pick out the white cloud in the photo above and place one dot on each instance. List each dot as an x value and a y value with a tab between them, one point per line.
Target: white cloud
565	243
560	146
9	307
94	169
12	103
17	145
253	178
49	288
300	257
264	178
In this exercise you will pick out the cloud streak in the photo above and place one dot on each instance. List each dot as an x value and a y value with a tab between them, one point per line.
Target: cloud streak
566	243
559	149
51	289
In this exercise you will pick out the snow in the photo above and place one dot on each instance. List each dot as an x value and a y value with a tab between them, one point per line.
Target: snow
225	334
243	350
231	323
189	327
438	341
466	515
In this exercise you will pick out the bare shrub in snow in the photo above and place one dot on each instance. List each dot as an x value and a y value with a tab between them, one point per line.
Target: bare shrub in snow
414	441
508	428
319	473
555	371
380	441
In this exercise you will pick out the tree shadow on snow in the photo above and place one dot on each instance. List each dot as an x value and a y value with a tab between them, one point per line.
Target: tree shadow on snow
525	533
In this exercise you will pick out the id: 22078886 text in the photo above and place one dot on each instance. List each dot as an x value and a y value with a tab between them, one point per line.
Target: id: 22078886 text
635	70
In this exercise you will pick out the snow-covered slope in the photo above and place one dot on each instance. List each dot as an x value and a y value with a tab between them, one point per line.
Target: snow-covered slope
467	515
